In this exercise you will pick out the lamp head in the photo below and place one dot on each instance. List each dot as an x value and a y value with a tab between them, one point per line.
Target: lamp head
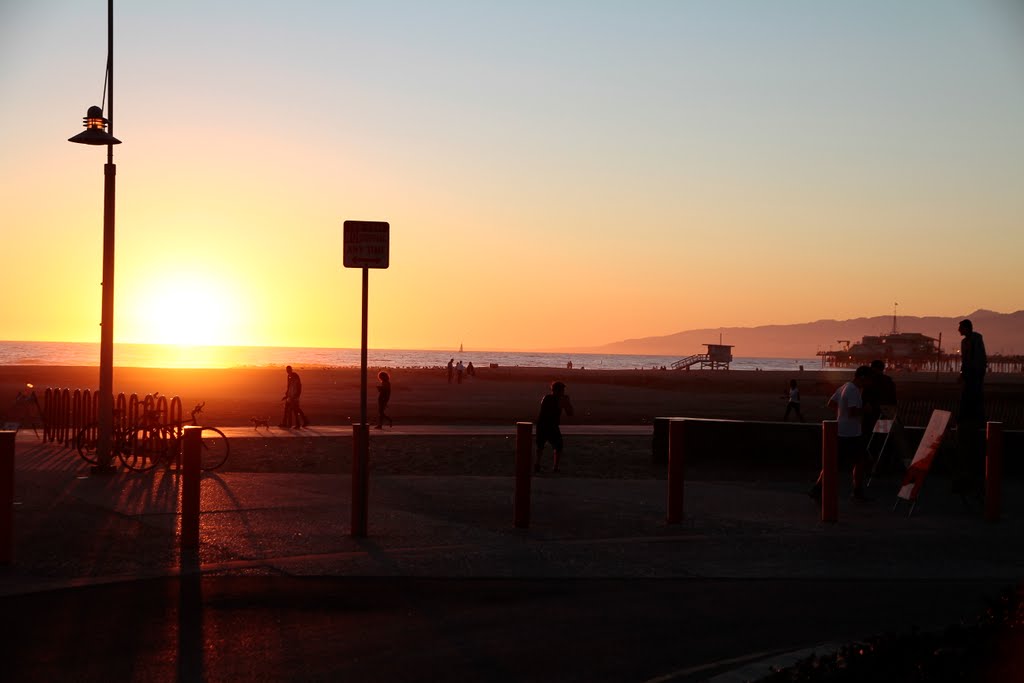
95	132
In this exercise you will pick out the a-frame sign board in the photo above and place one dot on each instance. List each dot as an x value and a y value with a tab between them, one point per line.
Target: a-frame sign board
923	459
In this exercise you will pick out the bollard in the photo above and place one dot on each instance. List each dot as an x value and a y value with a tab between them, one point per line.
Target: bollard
524	465
7	496
676	450
191	452
993	470
829	471
659	441
360	478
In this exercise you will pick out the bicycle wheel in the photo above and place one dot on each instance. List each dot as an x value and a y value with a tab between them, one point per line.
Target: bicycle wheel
145	449
215	449
86	441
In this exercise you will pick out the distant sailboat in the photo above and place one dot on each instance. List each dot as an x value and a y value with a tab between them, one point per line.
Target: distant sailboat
460	347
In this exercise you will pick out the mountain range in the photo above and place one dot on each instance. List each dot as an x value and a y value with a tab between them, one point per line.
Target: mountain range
1003	333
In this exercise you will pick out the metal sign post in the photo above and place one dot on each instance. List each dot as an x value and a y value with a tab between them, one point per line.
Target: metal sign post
367	245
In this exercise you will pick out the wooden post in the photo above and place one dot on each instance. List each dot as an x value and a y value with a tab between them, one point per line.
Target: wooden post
524	465
829	471
993	470
676	478
191	453
7	496
360	479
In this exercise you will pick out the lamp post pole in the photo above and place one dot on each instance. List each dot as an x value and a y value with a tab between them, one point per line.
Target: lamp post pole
97	133
106	407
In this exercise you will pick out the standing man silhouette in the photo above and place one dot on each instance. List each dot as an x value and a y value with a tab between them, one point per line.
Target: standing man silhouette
292	410
971	417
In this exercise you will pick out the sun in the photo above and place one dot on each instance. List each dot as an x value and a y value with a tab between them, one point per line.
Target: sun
182	308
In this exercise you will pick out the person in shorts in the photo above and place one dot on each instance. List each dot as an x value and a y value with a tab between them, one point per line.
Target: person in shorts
849	405
548	430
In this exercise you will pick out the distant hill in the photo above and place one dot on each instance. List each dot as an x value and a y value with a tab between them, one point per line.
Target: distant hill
1003	332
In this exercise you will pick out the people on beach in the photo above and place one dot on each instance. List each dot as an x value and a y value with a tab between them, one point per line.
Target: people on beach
470	370
548	421
459	369
848	404
793	405
293	414
971	415
383	396
451	370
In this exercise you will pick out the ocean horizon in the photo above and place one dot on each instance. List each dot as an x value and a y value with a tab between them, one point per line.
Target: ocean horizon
176	356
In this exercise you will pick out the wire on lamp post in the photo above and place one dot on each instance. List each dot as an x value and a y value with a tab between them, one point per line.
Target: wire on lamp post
96	133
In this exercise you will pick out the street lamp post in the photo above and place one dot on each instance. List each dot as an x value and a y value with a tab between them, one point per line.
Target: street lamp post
100	131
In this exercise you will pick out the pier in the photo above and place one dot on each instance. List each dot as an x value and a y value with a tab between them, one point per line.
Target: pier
940	362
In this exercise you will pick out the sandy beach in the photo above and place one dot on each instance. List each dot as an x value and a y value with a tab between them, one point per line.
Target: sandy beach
496	396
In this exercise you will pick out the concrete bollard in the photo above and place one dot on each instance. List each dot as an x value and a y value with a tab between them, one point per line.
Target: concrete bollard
676	477
360	479
191	454
829	471
7	496
524	465
993	470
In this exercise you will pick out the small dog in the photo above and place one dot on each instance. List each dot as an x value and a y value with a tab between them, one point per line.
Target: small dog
258	422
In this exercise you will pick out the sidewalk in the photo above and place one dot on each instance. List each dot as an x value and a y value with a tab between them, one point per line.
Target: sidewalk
93	533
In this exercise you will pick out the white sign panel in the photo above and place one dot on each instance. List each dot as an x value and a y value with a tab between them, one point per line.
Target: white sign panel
367	244
926	451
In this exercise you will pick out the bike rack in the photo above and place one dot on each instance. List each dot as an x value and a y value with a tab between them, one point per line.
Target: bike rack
64	413
47	417
132	414
76	412
67	412
174	418
120	410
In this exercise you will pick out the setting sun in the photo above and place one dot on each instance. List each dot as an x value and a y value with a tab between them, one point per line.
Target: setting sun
182	308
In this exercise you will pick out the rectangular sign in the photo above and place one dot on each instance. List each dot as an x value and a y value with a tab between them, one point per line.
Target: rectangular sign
367	244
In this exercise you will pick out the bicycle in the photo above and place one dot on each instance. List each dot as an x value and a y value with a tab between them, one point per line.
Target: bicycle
149	443
87	438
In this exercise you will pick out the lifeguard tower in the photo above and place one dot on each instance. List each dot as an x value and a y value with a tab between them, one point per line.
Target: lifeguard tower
717	357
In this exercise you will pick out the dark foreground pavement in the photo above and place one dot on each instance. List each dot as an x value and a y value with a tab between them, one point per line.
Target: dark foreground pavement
420	629
598	589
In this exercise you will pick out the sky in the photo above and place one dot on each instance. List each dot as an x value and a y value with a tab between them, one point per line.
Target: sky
556	174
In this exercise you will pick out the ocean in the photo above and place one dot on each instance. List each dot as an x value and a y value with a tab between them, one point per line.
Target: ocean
165	356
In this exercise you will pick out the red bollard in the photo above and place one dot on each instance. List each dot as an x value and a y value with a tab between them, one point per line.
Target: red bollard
191	451
524	465
360	478
676	478
829	471
7	496
993	470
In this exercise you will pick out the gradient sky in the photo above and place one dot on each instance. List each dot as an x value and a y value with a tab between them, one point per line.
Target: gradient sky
556	174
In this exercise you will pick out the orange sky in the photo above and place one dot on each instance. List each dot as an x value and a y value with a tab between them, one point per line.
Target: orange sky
554	175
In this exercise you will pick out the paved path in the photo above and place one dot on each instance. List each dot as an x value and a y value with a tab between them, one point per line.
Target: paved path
598	588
